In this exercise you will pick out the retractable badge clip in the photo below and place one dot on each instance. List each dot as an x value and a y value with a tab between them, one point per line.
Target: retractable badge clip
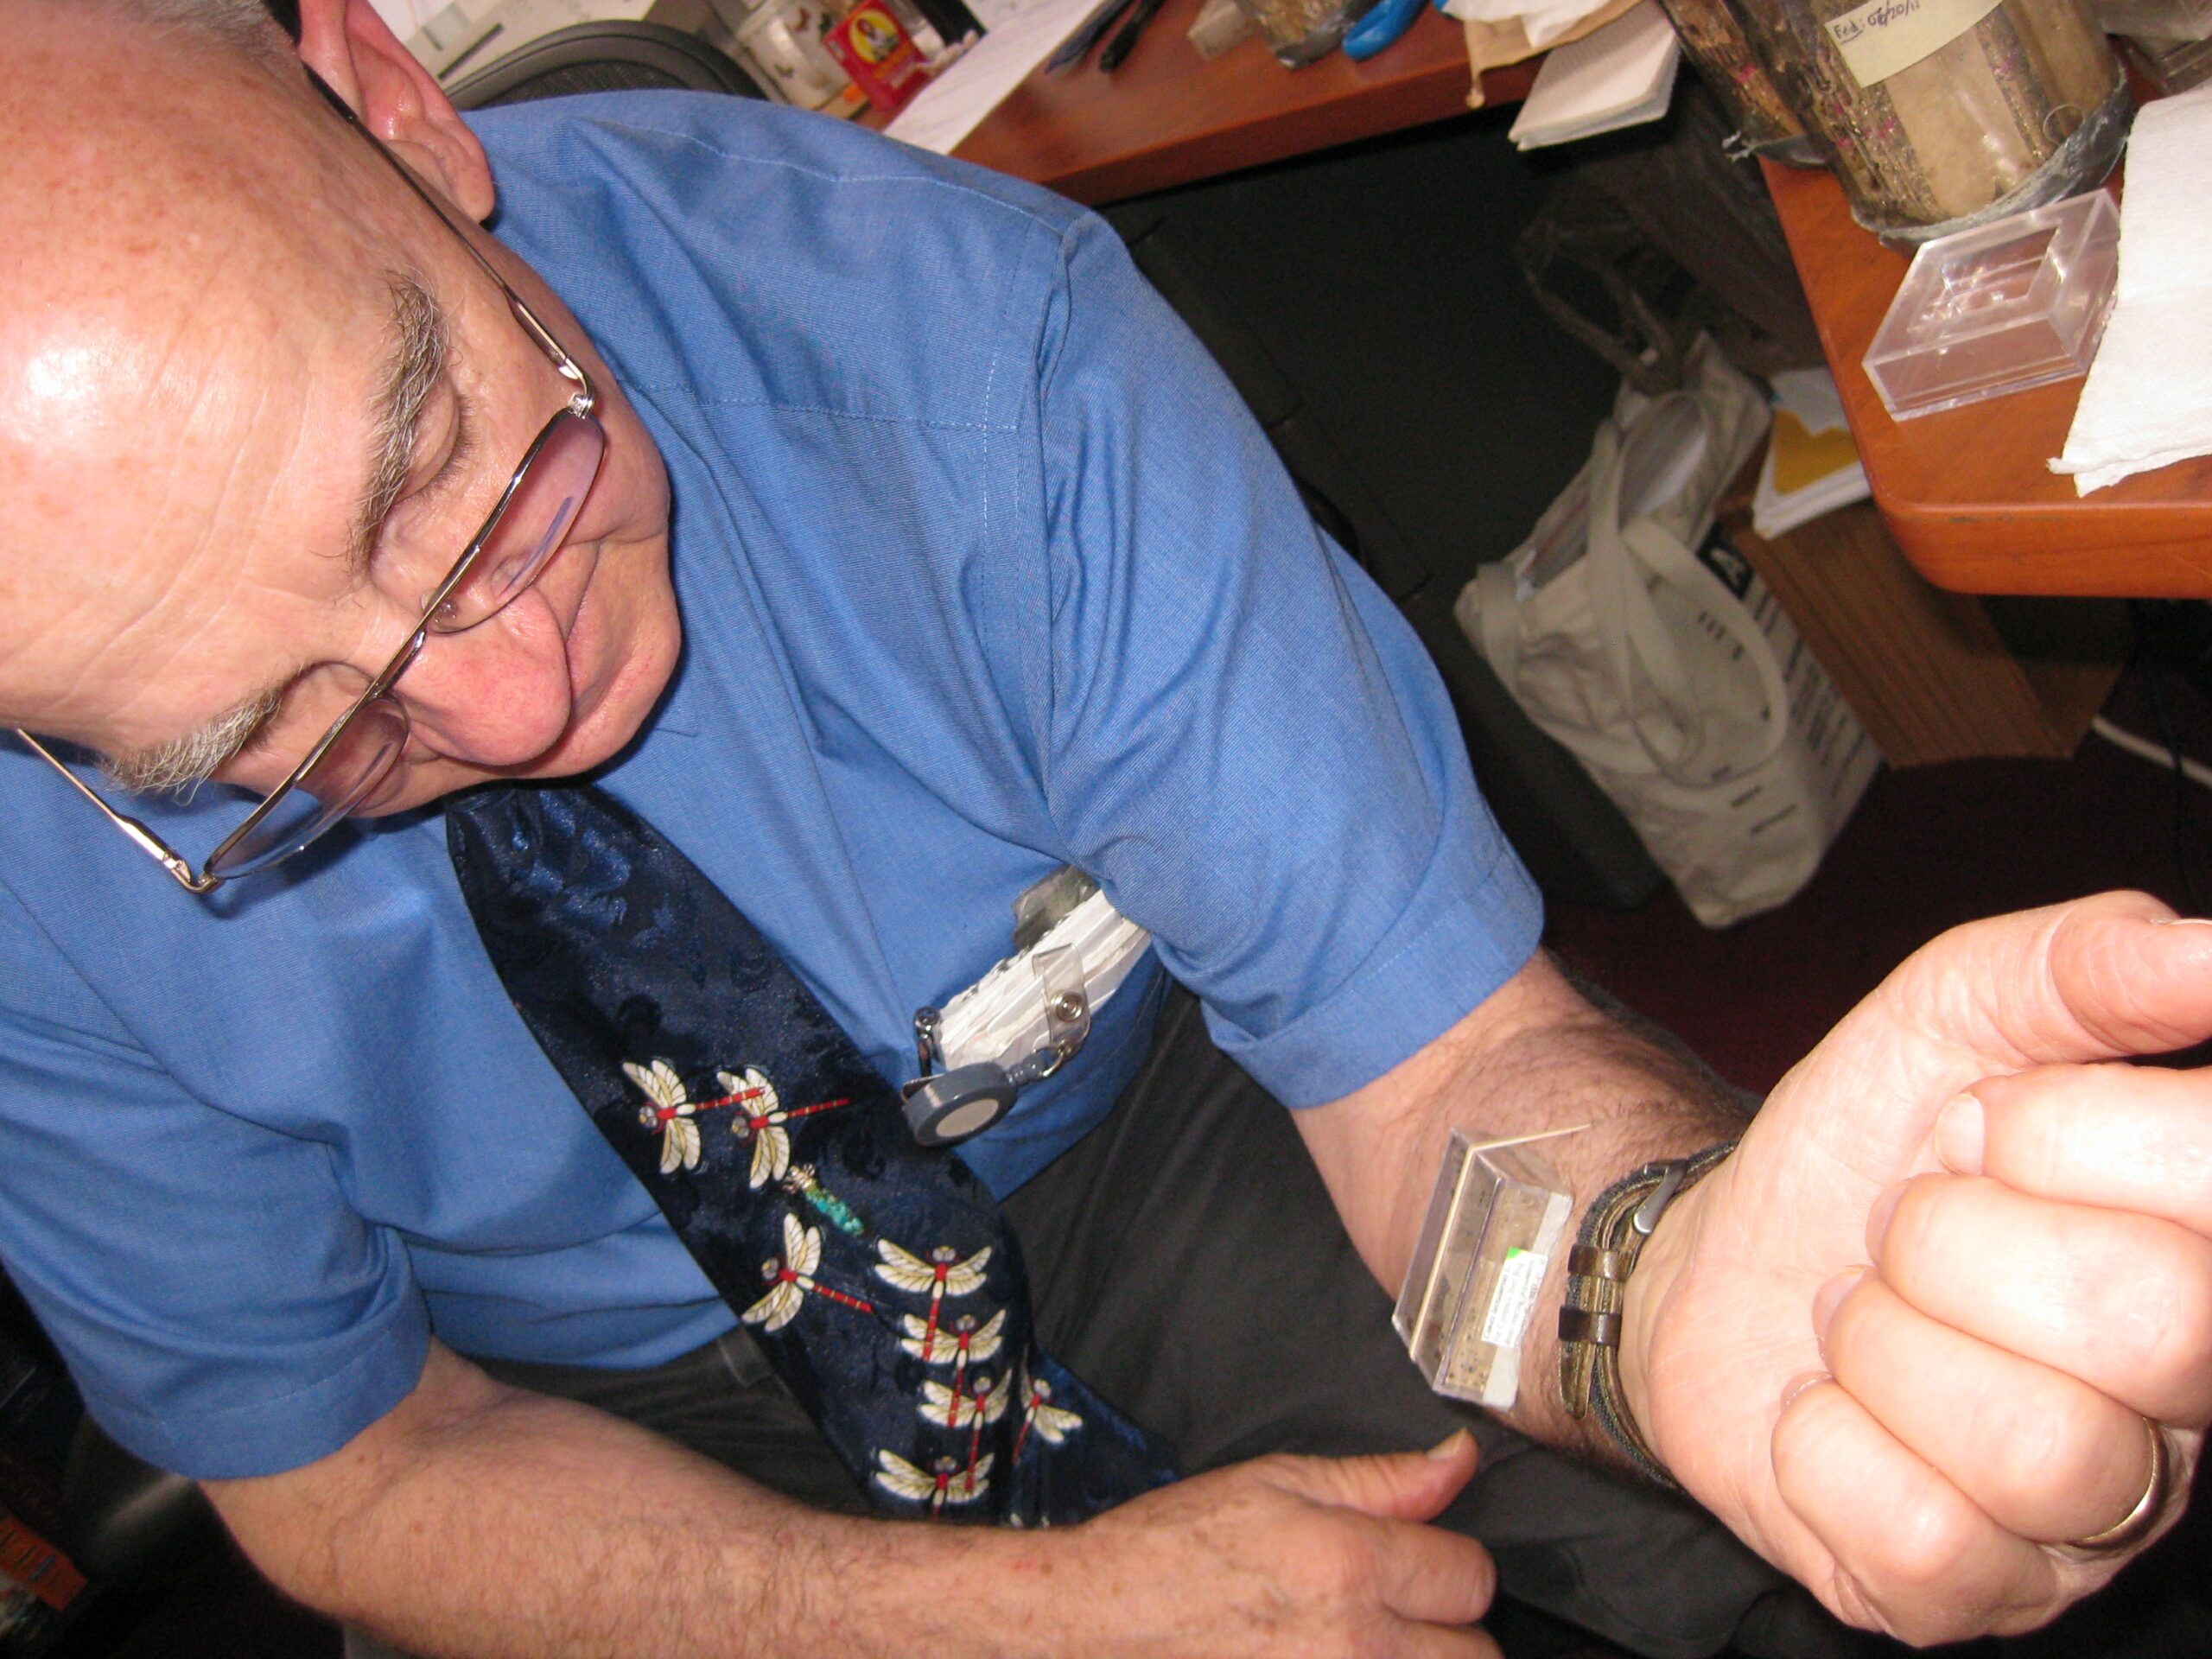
1028	1017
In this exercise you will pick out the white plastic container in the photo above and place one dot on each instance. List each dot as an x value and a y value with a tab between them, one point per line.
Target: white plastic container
2017	304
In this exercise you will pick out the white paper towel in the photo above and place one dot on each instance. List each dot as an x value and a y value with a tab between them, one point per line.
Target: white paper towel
2148	401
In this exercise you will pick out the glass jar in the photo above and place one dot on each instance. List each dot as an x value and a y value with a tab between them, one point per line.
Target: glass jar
2022	105
1713	37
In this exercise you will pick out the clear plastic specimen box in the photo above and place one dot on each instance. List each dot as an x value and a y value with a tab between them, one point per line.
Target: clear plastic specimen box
2009	305
1488	1239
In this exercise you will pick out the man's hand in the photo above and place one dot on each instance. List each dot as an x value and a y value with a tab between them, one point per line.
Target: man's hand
1907	1337
1284	1557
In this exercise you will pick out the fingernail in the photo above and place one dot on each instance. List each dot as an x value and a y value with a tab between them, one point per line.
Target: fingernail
1959	1130
2185	921
1449	1446
1830	1297
1877	1219
1799	1383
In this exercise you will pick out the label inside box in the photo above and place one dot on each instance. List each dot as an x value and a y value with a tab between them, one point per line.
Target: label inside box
1514	1298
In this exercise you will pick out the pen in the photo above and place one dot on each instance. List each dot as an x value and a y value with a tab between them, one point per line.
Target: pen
1086	34
1118	49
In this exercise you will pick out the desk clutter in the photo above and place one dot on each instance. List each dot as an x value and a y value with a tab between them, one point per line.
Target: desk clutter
2120	293
839	56
1977	134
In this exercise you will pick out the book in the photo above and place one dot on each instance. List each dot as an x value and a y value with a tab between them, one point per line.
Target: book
1616	76
1812	465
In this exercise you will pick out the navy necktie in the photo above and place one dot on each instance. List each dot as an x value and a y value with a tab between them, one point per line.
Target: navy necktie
879	1278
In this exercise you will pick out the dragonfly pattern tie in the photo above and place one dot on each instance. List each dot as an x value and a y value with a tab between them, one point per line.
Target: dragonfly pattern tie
879	1278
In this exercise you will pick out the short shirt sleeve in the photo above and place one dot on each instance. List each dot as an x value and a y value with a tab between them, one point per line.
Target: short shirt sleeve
1247	741
213	1340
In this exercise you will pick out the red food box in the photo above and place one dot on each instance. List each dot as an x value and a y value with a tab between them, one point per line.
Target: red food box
879	55
36	1564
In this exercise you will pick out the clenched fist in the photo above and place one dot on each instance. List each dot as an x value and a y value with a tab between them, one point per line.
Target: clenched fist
1919	1332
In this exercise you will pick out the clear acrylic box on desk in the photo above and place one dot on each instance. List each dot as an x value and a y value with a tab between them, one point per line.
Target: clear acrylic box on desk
2003	306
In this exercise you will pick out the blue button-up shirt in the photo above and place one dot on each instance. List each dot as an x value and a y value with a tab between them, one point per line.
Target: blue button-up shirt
984	570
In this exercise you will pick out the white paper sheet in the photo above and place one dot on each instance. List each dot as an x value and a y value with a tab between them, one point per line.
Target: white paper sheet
2148	400
1019	35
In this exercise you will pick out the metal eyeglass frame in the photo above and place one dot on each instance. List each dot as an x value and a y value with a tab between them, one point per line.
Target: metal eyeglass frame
582	404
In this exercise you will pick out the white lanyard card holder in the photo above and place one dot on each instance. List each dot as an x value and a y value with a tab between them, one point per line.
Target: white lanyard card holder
1028	1016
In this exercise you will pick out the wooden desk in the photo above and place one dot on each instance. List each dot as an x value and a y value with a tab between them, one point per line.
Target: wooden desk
1966	492
1167	116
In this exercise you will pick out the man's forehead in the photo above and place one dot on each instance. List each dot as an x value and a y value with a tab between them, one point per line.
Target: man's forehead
123	141
196	321
184	308
179	204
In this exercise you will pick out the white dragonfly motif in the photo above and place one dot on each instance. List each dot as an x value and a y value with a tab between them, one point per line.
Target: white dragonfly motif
960	1408
765	1116
945	1482
669	1110
673	1113
1052	1424
944	1274
791	1278
756	1097
959	1345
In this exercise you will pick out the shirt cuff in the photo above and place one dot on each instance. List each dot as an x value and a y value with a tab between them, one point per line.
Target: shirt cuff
289	1430
1437	964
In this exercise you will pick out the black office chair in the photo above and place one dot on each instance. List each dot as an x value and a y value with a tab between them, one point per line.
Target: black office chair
603	58
119	1520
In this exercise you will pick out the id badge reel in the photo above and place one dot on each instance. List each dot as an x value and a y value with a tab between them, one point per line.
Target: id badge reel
1028	1017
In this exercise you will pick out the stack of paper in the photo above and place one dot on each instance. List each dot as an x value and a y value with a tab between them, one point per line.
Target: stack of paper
1018	35
1811	466
2148	400
1613	77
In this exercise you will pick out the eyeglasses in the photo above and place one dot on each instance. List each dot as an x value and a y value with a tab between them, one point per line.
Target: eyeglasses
346	771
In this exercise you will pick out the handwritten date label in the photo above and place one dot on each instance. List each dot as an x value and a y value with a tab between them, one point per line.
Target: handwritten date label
1883	37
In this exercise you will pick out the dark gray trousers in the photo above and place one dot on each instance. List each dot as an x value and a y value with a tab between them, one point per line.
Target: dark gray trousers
1186	1262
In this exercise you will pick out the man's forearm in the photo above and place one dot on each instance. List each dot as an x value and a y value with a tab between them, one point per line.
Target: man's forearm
1536	1056
476	1523
477	1519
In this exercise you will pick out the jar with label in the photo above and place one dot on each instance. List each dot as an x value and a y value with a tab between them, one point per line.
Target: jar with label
1944	114
1713	39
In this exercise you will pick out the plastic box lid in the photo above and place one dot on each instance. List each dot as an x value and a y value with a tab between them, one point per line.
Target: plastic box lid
2015	303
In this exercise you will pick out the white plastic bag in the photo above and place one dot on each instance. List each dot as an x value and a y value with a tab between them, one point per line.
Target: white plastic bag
1673	675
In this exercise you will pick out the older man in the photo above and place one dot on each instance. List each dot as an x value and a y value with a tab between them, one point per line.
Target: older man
979	572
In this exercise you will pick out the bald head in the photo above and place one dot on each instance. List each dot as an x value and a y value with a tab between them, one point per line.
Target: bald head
257	394
196	315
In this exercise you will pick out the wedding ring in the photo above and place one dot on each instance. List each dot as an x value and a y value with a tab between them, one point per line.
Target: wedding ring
2136	1525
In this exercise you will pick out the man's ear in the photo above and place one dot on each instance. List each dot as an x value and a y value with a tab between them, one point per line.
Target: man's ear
348	44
